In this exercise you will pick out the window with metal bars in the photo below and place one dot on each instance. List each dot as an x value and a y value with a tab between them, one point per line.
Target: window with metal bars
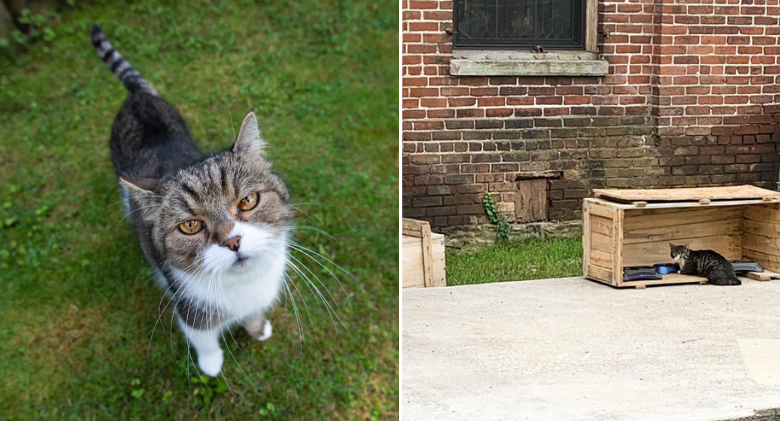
520	24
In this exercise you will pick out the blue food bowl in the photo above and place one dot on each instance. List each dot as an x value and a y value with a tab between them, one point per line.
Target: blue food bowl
666	268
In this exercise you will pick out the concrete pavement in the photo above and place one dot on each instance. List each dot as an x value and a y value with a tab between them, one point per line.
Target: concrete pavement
571	349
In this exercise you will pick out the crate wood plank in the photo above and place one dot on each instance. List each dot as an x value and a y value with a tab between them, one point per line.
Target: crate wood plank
645	254
601	225
651	219
617	249
763	213
759	256
412	262
601	258
686	194
762	243
678	205
599	274
685	230
761	228
413	227
763	276
672	278
600	208
601	242
586	234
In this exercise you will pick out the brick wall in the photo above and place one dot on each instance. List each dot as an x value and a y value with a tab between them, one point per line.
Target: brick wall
692	98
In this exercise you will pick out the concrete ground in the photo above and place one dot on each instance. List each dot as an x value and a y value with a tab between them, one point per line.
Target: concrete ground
572	349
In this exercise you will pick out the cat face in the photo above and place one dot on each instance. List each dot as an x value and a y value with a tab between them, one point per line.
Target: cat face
218	215
679	253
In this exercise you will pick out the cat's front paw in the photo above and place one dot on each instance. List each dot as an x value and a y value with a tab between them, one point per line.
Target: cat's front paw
211	364
267	330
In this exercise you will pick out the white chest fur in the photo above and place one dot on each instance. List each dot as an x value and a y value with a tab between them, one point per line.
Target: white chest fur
240	294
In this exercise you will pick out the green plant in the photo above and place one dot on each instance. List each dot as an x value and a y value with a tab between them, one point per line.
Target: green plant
495	218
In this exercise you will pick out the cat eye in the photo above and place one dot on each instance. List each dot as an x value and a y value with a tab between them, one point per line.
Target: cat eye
191	226
249	202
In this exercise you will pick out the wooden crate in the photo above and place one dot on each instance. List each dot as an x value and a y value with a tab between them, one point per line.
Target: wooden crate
423	255
625	228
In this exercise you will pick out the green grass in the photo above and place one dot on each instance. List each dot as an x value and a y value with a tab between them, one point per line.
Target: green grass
516	260
77	301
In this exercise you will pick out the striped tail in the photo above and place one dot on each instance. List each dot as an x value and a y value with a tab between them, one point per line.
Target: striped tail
121	67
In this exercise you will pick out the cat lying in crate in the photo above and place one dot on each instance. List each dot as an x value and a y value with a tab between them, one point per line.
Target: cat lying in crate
705	263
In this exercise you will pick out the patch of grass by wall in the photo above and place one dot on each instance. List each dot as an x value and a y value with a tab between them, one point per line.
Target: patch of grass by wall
516	260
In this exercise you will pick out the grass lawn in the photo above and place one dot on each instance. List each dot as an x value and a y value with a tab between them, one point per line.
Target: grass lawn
77	300
516	261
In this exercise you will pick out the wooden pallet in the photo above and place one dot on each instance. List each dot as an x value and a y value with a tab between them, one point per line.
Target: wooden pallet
763	276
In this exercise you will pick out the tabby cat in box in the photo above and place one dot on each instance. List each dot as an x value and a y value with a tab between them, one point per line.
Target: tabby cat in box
705	263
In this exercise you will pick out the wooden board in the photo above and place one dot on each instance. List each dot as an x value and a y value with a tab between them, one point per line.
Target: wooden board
686	194
641	219
650	253
763	276
767	261
763	213
412	269
672	278
531	200
683	232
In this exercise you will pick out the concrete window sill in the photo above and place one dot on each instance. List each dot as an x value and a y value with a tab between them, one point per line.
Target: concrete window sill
526	63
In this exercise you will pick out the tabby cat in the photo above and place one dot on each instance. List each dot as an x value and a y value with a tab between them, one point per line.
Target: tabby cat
214	227
706	263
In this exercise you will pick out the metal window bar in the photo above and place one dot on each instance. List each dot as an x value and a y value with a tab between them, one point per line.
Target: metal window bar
520	24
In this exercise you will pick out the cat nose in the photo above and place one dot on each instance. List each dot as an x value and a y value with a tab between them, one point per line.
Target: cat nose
232	243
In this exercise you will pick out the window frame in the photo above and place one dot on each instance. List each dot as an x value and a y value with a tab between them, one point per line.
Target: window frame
585	15
487	61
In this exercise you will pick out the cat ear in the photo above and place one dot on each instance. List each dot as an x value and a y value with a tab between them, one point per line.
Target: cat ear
249	143
142	190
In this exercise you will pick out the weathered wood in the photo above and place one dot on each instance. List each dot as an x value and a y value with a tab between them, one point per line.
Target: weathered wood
650	253
617	249
767	261
412	268
601	225
641	219
686	194
672	278
419	262
761	228
531	200
601	209
585	238
763	213
600	274
684	231
763	276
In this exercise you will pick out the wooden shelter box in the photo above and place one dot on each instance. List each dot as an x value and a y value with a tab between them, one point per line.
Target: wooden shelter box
423	255
631	228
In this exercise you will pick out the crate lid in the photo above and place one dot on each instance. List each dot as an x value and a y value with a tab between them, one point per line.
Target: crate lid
745	192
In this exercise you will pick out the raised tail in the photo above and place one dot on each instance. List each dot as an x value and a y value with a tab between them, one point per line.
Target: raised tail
130	77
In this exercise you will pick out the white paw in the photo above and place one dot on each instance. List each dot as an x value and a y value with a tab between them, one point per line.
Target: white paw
211	364
267	330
